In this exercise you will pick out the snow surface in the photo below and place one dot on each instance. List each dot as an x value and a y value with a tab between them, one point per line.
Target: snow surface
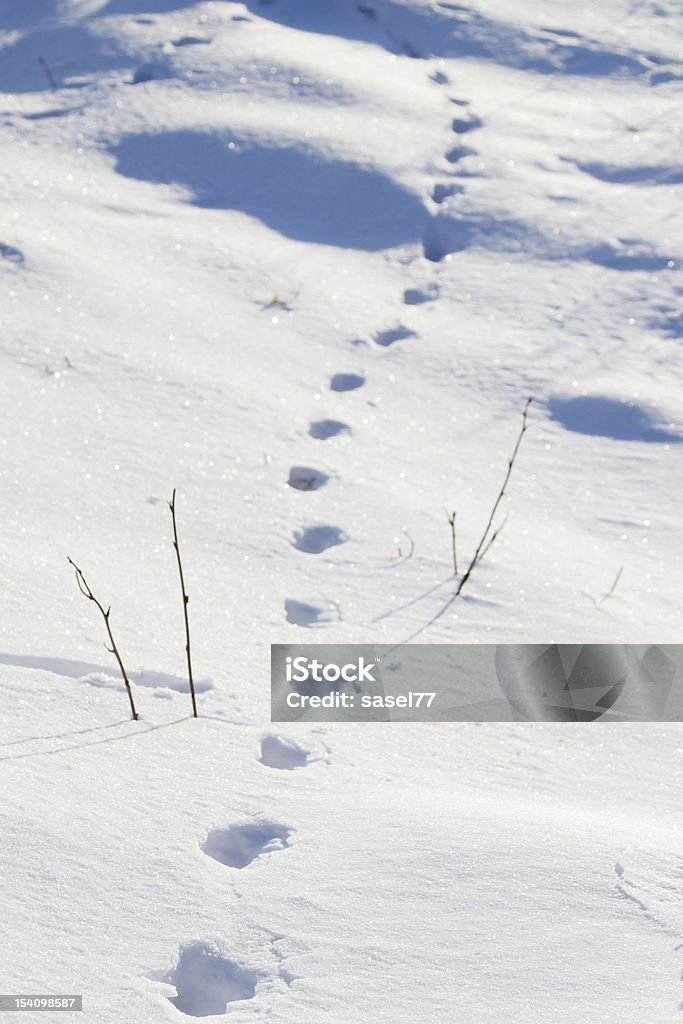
305	261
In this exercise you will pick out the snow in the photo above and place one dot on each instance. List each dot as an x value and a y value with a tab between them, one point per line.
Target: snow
305	262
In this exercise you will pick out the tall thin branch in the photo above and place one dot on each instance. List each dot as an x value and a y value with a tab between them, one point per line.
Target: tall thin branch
451	520
87	592
186	601
486	539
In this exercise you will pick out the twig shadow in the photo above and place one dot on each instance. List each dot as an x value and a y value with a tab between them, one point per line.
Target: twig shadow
136	731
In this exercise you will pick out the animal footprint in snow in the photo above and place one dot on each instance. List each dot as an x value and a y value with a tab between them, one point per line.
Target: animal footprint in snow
461	125
301	614
441	192
154	71
418	296
321	430
8	252
316	539
446	234
303	478
191	41
239	845
206	981
459	153
392	335
279	752
346	381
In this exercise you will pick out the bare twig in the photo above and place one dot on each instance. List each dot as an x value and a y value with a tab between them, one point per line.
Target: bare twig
614	585
186	601
87	592
48	74
451	521
486	540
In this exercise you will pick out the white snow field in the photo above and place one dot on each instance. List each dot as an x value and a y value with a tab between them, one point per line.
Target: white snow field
305	260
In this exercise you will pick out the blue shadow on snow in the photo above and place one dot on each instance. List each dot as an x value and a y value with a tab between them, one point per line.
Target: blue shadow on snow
607	417
300	192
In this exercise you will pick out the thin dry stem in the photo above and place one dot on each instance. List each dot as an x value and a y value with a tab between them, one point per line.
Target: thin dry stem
186	601
105	613
451	521
614	585
486	538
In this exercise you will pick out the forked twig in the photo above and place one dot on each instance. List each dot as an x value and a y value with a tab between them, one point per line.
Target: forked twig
87	592
486	540
186	601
